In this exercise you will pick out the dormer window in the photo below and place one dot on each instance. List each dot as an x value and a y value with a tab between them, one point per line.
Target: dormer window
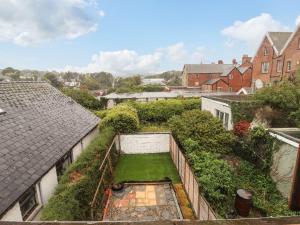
266	51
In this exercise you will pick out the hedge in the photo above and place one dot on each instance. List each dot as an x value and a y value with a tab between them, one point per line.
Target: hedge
122	118
162	110
77	186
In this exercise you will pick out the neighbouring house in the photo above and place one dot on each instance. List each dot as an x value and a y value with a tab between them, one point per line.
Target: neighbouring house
72	84
285	168
246	91
277	58
115	98
218	77
42	131
220	107
154	81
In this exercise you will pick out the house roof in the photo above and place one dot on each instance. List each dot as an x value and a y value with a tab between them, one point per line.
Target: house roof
243	69
212	81
209	68
141	95
39	126
279	40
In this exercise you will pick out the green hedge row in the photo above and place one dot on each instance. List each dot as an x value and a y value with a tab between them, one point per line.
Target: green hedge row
162	110
77	186
122	118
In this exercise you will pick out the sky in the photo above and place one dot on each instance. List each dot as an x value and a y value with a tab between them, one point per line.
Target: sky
127	37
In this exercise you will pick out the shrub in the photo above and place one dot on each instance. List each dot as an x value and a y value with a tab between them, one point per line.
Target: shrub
72	196
122	118
202	128
101	113
162	110
84	98
241	128
216	179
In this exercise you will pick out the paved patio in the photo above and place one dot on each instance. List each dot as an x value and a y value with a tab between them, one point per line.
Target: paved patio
143	202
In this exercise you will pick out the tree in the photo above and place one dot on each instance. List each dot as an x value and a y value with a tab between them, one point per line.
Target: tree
52	78
12	73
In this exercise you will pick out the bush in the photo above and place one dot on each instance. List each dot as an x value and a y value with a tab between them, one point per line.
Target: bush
122	118
74	193
84	98
202	128
216	179
241	128
257	147
162	110
101	113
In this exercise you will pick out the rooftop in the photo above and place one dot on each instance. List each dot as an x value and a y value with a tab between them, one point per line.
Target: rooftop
39	127
223	69
279	39
292	134
229	98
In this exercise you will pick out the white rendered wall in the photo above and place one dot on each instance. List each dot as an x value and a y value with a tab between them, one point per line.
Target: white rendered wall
76	151
212	105
48	184
145	143
13	214
87	139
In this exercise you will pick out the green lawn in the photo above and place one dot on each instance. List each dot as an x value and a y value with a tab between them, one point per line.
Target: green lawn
145	167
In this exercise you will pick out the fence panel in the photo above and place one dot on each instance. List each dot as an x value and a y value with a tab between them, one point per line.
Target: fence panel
201	207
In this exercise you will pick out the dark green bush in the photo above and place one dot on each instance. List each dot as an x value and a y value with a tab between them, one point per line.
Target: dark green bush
162	110
72	196
122	118
84	98
203	129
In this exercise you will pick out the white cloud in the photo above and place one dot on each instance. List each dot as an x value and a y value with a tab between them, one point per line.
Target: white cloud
251	31
297	20
33	21
127	62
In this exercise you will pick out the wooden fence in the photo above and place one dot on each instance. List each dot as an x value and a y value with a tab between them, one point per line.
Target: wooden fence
106	171
201	207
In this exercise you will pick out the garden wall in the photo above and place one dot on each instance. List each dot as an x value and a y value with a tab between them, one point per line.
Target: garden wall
142	143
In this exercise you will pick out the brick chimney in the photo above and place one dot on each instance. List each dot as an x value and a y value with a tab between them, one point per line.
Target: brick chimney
246	60
234	62
220	62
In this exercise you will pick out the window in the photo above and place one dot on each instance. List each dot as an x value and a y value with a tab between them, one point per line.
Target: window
63	164
28	202
279	66
266	51
265	67
224	117
230	76
289	66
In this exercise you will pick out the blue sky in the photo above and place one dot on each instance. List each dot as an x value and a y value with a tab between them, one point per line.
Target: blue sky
135	36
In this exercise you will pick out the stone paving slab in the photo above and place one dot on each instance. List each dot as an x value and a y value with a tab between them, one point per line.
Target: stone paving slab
143	202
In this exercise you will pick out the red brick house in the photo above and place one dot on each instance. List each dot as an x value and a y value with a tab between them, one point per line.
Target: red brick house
218	77
277	58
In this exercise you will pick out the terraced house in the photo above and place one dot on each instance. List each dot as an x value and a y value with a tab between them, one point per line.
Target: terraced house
277	58
42	131
218	77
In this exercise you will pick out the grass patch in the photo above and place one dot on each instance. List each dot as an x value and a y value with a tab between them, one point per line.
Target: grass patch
145	167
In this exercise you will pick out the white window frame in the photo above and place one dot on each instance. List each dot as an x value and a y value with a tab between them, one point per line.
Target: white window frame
279	66
266	51
289	66
223	117
265	67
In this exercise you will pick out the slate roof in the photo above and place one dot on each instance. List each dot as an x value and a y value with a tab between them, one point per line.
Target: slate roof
243	69
208	68
212	81
279	39
39	126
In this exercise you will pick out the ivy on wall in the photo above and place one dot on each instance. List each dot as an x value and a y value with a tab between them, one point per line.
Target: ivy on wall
243	111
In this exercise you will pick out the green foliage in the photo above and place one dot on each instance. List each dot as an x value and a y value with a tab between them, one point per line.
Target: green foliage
202	128
257	147
101	113
173	78
162	110
266	197
285	99
215	177
123	118
83	98
150	127
243	111
52	78
153	88
78	185
95	81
